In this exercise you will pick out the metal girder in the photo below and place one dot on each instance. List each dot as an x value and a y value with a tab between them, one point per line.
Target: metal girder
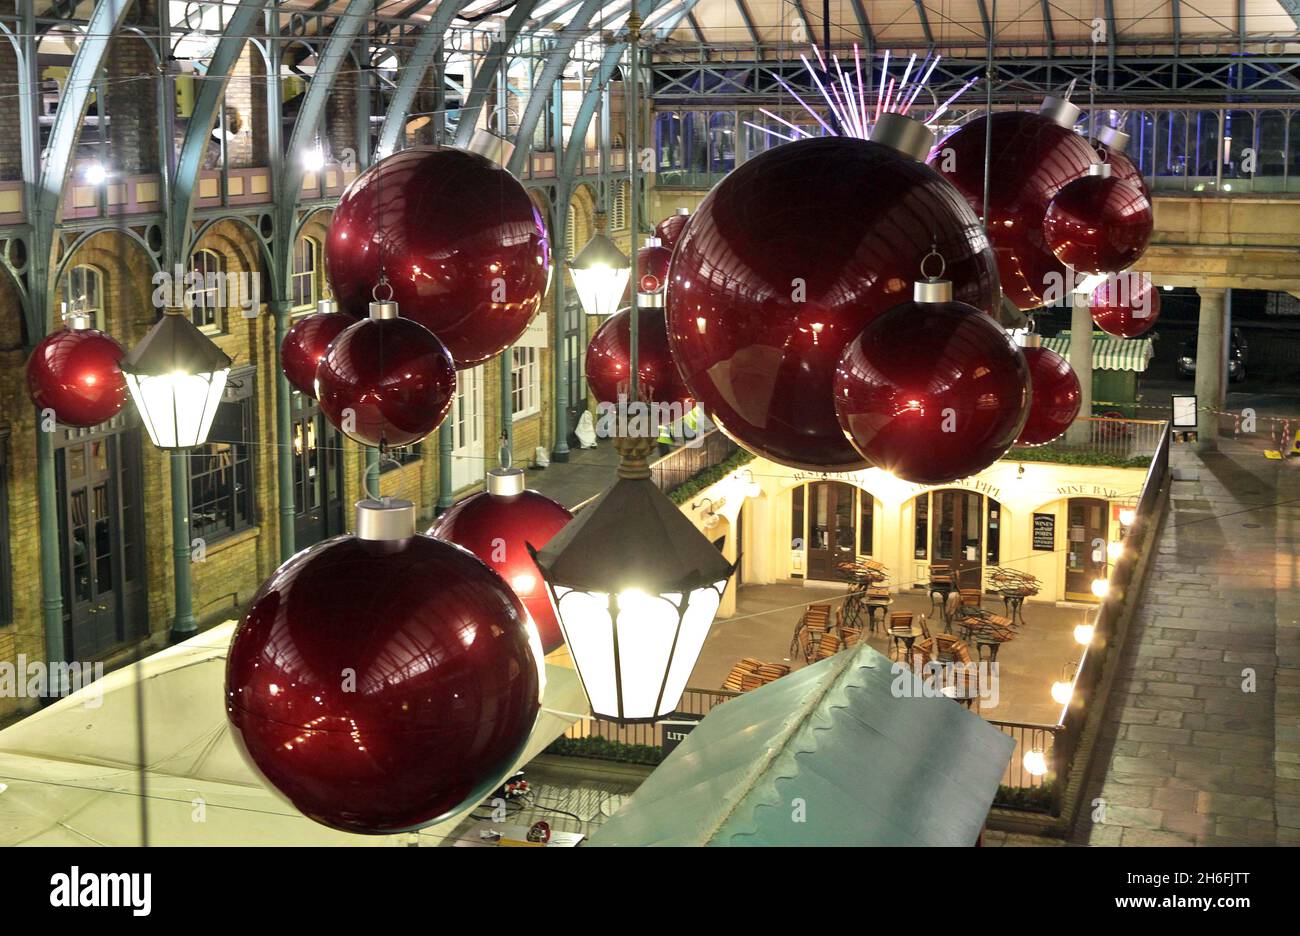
749	21
544	86
1048	34
569	167
868	36
1111	39
487	72
104	22
211	90
670	22
1177	9
803	17
412	75
328	62
984	18
925	21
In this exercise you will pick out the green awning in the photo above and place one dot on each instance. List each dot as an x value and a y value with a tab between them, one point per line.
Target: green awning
1109	352
845	752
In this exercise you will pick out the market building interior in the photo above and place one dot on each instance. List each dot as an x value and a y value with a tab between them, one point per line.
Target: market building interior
963	497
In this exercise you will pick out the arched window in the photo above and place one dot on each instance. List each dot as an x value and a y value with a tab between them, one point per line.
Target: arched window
204	289
306	263
83	293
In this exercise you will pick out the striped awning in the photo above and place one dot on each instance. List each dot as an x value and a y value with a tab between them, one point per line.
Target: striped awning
1108	352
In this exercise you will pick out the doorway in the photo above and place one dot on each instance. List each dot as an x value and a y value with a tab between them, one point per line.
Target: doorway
467	450
1085	559
832	531
318	501
957	534
101	537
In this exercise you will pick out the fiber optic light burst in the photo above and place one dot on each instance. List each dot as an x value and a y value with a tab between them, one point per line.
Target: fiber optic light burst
848	99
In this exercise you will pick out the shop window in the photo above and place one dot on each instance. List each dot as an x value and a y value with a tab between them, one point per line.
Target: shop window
222	498
306	263
525	383
993	539
83	293
864	522
205	293
922	529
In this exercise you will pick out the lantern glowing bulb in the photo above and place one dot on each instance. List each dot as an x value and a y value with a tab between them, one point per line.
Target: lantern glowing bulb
1083	634
1062	691
176	375
600	273
1035	763
1101	587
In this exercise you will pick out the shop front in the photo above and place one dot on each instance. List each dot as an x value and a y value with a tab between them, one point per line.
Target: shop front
1055	522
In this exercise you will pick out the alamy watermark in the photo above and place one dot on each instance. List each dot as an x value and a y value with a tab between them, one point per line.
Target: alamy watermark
36	679
210	290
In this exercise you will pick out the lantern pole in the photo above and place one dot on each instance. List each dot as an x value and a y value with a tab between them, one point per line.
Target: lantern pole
183	624
633	157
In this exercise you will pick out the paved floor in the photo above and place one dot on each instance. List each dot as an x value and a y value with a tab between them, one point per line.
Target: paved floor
766	616
584	475
1202	735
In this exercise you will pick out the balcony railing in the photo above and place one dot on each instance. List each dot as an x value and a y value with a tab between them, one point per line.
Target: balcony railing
1108	438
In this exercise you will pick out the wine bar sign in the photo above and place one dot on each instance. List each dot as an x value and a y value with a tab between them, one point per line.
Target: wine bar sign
1045	531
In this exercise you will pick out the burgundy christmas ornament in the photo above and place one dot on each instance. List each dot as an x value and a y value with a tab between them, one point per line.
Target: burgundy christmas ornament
305	342
1055	394
1098	224
670	229
933	390
462	244
609	358
76	372
385	381
1126	305
382	680
652	266
1034	156
498	525
787	260
1111	144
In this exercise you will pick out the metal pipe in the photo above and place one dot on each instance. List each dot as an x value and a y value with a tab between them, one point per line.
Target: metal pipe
183	623
633	157
284	436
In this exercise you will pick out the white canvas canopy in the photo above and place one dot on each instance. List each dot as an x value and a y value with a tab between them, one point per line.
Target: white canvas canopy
69	775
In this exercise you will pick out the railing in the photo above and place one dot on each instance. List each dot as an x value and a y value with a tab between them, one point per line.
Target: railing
684	463
695	702
1099	435
1016	779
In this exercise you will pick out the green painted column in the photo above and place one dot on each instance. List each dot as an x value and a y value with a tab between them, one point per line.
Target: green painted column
445	499
51	574
183	623
280	308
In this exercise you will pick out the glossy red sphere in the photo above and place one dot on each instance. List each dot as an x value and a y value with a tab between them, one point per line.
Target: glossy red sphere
1126	305
499	530
77	374
464	248
1098	224
652	266
785	262
1032	159
381	686
394	376
1121	167
304	345
670	229
609	360
932	392
1055	397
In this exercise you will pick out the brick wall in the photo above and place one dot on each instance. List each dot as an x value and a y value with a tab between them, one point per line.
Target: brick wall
11	152
131	74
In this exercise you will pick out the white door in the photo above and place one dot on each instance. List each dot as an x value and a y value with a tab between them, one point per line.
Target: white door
467	451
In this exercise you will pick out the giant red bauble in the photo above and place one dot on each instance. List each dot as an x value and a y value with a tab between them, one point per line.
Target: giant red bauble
932	392
1055	397
499	529
1032	159
609	360
652	266
785	262
1126	305
670	229
77	374
463	247
380	686
304	345
395	377
1098	224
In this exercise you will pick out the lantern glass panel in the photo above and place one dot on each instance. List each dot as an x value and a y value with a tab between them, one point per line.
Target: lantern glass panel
600	288
177	409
